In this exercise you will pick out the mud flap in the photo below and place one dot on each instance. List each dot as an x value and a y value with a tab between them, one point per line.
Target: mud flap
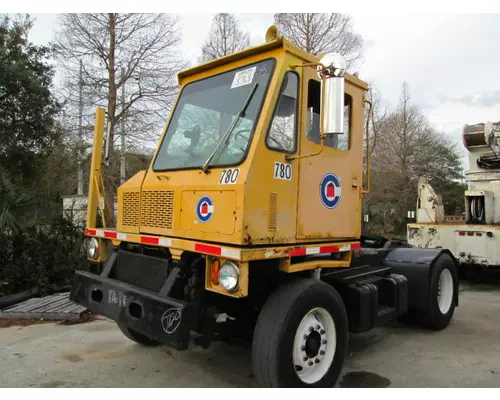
415	264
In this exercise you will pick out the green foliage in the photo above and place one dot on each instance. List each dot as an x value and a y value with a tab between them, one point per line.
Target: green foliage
41	256
409	148
38	247
453	194
27	106
13	201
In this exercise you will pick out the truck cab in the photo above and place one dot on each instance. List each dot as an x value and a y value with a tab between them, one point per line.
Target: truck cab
230	165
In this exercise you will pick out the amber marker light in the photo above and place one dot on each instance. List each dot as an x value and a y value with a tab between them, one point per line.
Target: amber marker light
215	271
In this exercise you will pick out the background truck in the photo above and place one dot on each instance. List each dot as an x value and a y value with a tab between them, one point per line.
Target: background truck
473	237
246	225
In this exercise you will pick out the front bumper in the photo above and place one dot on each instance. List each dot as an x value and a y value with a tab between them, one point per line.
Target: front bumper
164	319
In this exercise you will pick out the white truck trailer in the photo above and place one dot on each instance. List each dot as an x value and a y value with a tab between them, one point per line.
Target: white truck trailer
473	237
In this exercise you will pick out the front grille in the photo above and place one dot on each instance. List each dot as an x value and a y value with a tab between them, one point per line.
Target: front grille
130	209
157	209
143	271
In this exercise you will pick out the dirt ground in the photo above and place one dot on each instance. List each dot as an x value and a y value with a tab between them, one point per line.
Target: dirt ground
96	354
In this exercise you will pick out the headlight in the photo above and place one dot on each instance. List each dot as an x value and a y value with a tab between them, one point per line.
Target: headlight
229	275
93	248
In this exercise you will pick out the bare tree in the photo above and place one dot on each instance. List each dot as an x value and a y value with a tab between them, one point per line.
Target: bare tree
126	63
322	33
407	148
129	65
225	38
378	115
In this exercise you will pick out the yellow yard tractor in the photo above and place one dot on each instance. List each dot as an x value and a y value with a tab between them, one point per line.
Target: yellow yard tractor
246	227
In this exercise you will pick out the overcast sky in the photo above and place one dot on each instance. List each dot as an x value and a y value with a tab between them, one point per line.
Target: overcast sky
451	62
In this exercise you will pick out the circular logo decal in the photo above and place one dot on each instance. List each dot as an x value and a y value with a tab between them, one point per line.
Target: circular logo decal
330	191
205	209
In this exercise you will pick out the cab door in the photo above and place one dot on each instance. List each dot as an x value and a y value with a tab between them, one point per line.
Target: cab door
329	201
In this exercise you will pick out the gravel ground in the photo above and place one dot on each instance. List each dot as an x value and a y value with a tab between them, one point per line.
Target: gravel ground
96	354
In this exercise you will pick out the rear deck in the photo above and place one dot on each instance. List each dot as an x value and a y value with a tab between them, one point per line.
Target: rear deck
474	244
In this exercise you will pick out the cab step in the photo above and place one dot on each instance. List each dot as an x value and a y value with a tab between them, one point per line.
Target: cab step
385	313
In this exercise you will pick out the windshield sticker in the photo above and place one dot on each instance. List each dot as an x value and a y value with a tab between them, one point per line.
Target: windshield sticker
229	176
242	78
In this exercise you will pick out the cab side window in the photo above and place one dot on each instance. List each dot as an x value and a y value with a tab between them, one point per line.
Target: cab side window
340	142
282	135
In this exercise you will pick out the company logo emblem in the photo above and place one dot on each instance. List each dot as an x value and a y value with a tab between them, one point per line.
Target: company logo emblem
205	209
171	319
330	191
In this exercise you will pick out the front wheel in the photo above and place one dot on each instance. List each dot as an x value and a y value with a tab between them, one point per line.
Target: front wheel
301	336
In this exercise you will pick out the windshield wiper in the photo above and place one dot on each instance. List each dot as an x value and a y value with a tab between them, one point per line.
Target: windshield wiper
229	130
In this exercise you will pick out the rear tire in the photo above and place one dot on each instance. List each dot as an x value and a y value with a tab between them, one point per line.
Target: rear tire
303	322
137	336
443	292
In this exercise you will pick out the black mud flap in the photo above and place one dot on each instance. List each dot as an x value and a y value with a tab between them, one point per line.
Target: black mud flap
415	264
164	319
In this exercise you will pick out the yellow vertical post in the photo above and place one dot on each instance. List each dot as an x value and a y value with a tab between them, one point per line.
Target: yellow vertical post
95	169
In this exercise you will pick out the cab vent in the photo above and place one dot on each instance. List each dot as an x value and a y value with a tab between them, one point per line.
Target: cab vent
273	205
157	209
130	209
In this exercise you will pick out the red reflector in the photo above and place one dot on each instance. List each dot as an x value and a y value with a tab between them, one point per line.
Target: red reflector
90	232
355	246
470	233
110	235
461	233
203	248
297	252
329	249
149	240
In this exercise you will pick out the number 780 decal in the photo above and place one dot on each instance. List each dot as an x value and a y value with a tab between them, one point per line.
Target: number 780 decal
282	171
229	176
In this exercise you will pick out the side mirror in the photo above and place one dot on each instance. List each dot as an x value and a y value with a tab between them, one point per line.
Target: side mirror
331	71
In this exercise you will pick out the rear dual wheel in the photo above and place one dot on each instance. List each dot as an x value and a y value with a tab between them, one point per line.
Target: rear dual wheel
443	292
301	336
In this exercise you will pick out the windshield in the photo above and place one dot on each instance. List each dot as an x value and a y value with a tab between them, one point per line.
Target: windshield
203	114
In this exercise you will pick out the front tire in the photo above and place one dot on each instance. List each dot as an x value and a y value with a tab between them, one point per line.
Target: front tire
301	336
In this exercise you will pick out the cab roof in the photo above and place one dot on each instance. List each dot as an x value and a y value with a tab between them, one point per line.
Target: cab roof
278	42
